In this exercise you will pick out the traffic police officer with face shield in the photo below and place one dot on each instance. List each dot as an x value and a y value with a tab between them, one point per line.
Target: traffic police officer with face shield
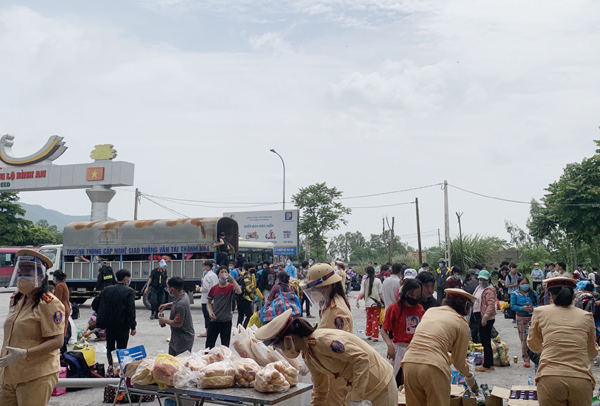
324	285
334	353
33	335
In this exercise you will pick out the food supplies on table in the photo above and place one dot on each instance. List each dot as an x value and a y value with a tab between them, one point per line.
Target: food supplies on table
143	373
185	378
270	380
165	367
289	372
218	375
245	372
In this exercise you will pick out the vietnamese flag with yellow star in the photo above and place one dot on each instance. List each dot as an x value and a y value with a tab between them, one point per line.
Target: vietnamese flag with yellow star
94	174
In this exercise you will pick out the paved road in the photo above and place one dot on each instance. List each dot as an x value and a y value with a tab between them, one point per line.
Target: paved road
155	340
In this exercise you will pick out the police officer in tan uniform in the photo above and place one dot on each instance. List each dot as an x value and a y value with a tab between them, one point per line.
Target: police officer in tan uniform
441	339
566	338
327	287
33	335
334	353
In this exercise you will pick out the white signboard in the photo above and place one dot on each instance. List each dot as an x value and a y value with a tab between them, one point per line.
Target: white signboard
279	227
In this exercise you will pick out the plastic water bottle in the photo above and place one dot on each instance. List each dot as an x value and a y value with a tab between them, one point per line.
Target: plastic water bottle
361	331
530	381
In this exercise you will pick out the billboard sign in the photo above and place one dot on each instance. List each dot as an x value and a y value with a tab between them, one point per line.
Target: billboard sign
279	227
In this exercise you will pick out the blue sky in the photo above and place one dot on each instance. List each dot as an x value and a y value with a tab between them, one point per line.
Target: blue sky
368	96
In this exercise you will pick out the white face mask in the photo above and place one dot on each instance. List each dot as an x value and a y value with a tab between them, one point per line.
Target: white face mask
25	284
289	349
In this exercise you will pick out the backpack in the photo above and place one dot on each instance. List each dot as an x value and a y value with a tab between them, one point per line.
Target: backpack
76	364
596	278
240	281
585	301
74	311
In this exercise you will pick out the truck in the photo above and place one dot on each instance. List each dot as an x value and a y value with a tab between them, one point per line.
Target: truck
138	246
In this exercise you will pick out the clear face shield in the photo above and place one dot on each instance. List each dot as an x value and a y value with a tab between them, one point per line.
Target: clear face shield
316	293
28	274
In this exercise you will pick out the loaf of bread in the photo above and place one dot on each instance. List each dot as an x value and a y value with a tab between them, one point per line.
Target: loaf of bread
289	372
217	375
270	380
245	372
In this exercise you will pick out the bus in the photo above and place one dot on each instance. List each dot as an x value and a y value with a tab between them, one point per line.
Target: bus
138	246
7	263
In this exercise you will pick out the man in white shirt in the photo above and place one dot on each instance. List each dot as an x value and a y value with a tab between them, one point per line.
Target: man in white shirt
209	280
391	286
424	267
377	269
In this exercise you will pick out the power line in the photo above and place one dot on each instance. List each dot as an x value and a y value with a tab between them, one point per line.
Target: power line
385	205
163	206
388	193
522	202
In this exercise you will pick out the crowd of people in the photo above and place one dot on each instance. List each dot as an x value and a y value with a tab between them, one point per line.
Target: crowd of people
425	332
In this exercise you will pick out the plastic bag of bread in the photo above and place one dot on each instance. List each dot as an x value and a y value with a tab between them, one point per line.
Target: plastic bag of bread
131	368
262	354
216	376
195	363
295	362
289	372
270	380
241	342
165	367
219	354
185	378
245	372
143	373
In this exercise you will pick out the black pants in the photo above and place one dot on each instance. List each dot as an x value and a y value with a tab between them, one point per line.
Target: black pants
206	316
535	286
440	294
485	333
157	298
475	326
244	312
306	300
222	258
216	329
118	336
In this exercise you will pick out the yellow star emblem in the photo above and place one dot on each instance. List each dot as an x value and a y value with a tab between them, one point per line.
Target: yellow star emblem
94	175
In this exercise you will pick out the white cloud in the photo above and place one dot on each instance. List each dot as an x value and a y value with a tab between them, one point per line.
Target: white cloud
367	95
272	42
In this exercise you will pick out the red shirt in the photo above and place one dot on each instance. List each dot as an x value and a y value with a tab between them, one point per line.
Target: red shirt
403	321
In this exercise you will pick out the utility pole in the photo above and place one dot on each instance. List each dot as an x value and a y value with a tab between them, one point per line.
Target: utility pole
447	226
462	253
383	223
137	200
439	239
419	231
391	242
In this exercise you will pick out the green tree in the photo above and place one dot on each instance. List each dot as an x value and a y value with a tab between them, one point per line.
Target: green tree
13	227
320	213
344	245
49	231
570	209
477	249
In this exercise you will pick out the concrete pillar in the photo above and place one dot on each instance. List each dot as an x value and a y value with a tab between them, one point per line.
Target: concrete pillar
100	196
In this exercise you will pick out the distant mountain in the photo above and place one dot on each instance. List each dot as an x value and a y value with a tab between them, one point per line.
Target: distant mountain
36	212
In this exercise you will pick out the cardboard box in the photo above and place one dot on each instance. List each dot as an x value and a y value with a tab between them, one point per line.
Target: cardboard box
456	392
496	398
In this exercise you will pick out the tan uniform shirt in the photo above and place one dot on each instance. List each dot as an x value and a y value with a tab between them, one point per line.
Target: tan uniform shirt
566	339
440	331
337	315
27	327
339	353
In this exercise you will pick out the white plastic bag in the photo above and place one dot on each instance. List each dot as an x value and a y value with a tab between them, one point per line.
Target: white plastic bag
289	372
216	376
245	372
185	378
143	373
270	380
241	342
